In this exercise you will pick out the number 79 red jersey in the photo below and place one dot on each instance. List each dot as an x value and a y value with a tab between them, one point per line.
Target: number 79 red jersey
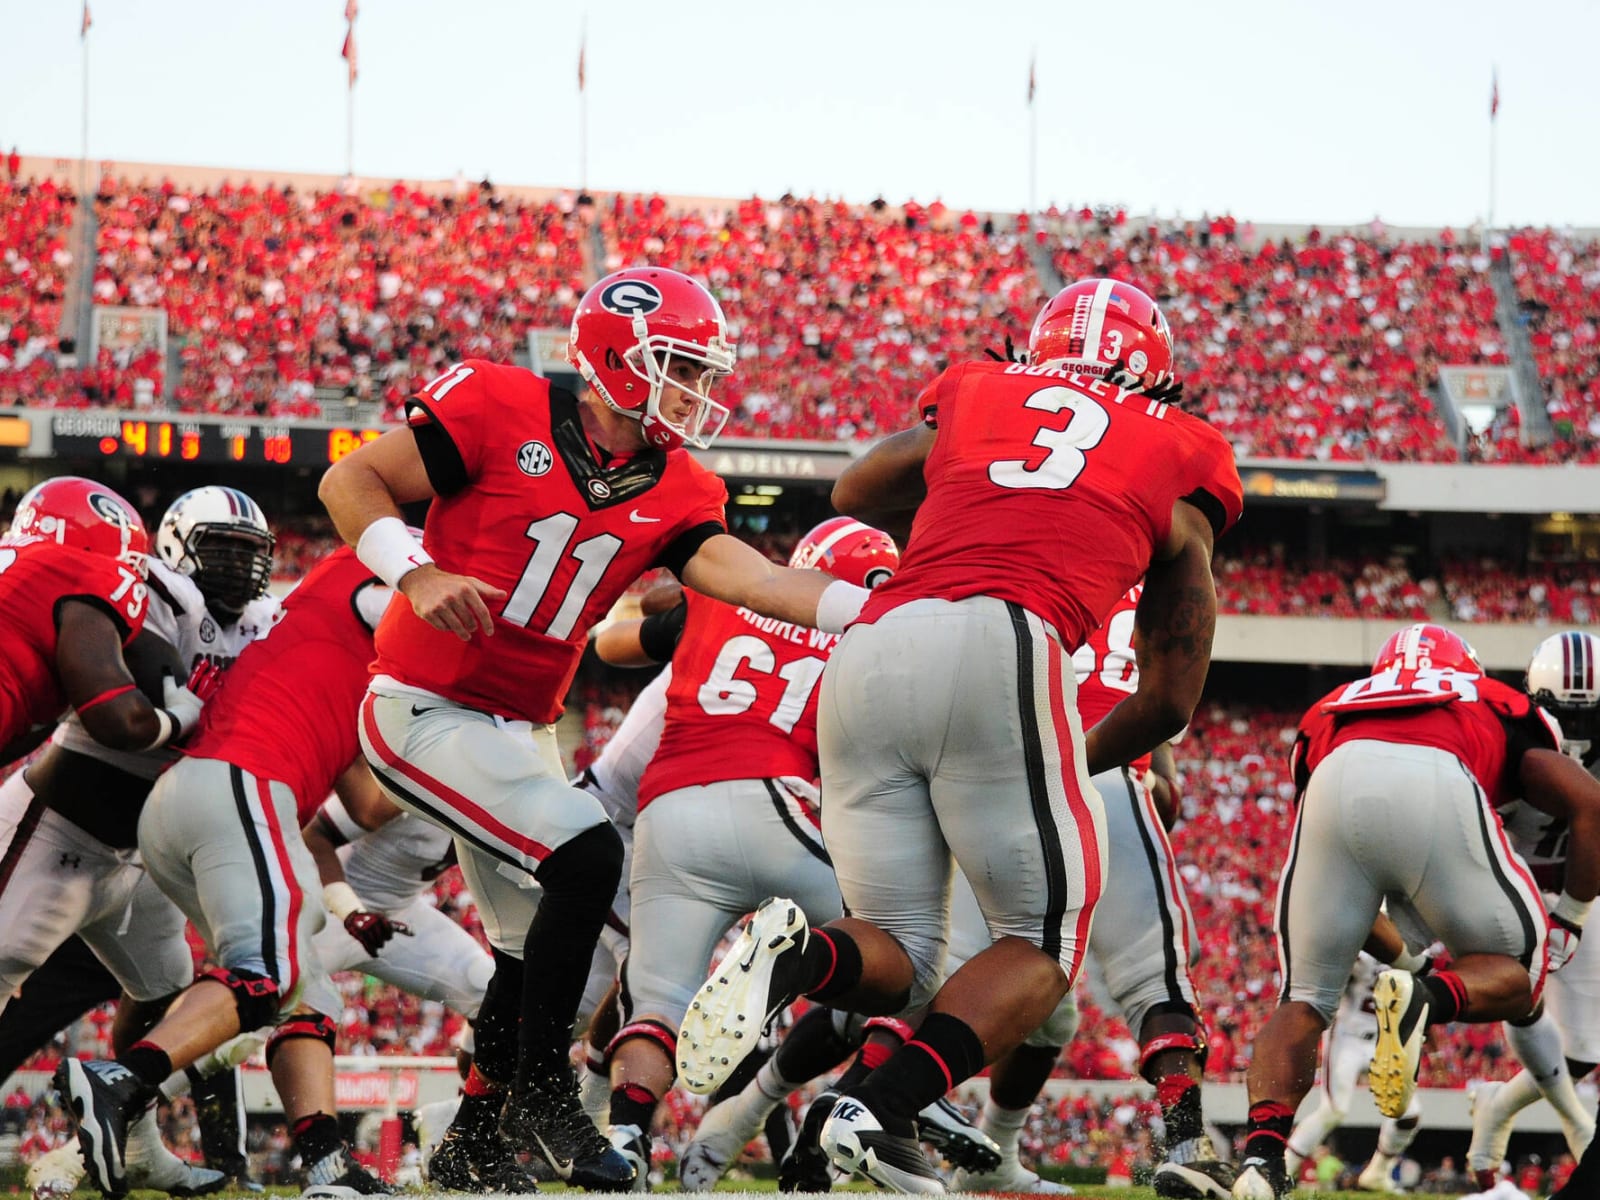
525	504
1051	490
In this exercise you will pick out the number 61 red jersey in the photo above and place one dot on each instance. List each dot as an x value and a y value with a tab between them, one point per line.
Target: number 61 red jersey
1052	489
525	505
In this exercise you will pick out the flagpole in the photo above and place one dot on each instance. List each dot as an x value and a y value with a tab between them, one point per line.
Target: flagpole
1494	138
583	111
1033	140
350	131
83	159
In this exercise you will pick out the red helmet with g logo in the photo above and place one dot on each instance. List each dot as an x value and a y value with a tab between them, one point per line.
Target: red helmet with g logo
1090	326
86	515
1424	646
627	329
848	550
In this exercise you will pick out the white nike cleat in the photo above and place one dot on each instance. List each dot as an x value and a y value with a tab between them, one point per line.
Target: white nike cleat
1402	1008
724	1132
855	1141
1260	1180
746	990
1375	1177
54	1174
1009	1177
150	1165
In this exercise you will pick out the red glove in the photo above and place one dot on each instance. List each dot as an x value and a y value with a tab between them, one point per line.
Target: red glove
205	679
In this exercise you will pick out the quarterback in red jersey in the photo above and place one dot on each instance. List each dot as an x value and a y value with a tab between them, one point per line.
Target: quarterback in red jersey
72	598
545	508
1399	774
728	807
1041	492
220	835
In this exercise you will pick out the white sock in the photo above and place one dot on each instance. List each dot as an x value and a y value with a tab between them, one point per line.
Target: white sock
1310	1134
1538	1046
594	1093
771	1082
1004	1125
1395	1137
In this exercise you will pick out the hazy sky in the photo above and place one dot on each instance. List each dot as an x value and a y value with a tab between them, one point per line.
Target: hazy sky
1280	110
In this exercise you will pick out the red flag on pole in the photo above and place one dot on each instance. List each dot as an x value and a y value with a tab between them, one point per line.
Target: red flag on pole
349	54
350	11
1494	94
84	31
1030	80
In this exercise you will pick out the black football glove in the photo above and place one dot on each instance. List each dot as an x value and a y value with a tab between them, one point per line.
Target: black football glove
373	930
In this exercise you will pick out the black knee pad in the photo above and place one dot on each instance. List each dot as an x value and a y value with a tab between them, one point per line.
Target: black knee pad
254	995
586	864
303	1025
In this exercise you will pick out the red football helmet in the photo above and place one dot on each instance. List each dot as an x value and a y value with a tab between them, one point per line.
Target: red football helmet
627	328
1421	646
84	514
848	550
1089	326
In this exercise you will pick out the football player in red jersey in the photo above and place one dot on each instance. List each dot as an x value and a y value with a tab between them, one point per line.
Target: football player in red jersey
728	806
545	507
1399	775
1041	492
220	836
72	598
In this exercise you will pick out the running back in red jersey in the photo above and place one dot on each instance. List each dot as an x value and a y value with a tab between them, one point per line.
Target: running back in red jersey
544	520
1051	489
36	575
742	702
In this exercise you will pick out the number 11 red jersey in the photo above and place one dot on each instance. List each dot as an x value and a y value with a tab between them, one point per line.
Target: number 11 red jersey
1051	490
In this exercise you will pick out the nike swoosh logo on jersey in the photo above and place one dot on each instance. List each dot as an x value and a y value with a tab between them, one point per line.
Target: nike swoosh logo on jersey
633	515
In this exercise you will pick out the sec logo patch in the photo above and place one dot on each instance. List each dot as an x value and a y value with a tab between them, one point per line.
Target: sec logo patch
533	458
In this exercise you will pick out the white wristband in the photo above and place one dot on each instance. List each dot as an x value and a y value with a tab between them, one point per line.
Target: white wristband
839	604
389	551
1573	912
167	729
340	900
1407	961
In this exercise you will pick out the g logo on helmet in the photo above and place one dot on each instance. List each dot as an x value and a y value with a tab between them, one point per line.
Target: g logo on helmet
108	510
876	576
631	298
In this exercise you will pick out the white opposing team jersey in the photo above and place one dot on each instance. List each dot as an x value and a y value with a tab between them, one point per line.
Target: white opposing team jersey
395	863
186	626
1358	1014
614	777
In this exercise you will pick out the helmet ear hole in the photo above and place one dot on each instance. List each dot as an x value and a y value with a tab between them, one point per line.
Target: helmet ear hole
613	360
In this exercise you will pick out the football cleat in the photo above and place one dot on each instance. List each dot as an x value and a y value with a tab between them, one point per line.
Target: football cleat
337	1176
807	1168
1008	1178
1201	1179
486	1165
749	987
549	1120
634	1145
432	1122
1376	1176
724	1132
102	1095
1397	1056
151	1166
855	1140
54	1174
945	1127
1260	1179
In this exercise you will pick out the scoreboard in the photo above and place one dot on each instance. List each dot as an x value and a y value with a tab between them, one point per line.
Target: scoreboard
80	435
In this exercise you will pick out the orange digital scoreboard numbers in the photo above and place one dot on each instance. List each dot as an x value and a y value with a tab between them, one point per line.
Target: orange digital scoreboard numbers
226	442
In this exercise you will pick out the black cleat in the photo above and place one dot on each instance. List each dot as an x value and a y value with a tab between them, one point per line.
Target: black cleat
1202	1179
946	1128
486	1166
806	1168
337	1176
549	1120
104	1097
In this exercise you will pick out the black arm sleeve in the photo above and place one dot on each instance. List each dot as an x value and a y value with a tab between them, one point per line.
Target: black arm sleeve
686	545
447	472
659	632
1210	508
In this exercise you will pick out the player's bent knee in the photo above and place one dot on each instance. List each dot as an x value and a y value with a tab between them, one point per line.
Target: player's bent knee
314	1026
255	996
647	1029
588	863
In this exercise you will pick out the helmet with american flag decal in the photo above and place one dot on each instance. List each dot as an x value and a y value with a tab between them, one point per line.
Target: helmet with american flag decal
1091	326
848	550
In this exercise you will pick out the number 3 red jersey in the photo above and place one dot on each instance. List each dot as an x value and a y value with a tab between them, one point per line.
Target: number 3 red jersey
35	577
287	707
525	504
1052	490
740	705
